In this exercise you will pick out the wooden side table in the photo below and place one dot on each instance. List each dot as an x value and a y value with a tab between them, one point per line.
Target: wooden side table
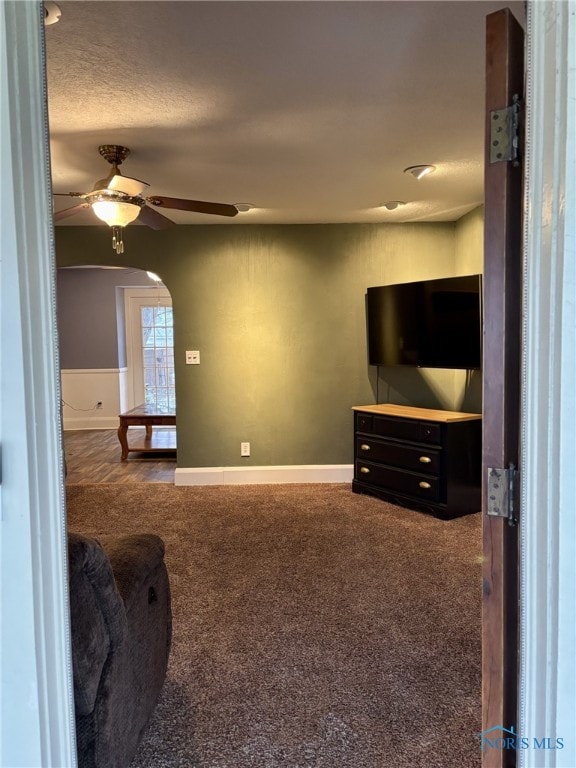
146	416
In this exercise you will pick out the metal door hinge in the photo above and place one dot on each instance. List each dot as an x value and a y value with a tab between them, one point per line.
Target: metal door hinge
502	493
505	133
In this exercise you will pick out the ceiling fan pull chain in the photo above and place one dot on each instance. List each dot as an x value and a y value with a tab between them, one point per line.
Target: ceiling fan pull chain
117	242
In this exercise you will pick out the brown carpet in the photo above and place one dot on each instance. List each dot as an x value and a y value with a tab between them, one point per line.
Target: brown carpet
313	628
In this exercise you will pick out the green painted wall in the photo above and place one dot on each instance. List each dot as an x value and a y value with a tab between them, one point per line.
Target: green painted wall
278	315
469	253
469	243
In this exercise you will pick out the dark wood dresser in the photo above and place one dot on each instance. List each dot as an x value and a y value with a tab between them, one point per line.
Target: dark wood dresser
424	459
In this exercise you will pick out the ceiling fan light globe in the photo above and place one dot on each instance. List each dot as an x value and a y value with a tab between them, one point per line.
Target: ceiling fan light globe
116	213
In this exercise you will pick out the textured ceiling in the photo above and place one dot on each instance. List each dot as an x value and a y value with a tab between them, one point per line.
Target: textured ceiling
308	110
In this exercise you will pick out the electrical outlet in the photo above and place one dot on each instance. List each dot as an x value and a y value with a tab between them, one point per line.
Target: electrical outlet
244	449
99	404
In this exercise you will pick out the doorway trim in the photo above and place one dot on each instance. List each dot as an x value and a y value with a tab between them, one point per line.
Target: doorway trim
548	487
133	299
37	709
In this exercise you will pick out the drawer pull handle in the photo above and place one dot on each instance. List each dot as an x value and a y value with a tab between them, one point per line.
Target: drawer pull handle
364	447
365	470
424	484
425	460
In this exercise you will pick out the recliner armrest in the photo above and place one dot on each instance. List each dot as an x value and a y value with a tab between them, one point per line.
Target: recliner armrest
98	616
132	558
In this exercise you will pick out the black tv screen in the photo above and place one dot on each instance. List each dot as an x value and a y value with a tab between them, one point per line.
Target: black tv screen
428	324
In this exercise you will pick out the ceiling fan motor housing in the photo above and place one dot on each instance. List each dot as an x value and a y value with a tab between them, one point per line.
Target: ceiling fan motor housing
114	153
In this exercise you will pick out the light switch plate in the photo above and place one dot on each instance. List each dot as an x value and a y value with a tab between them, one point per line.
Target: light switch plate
192	357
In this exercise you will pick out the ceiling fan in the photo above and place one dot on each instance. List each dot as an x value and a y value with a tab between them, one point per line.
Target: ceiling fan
118	200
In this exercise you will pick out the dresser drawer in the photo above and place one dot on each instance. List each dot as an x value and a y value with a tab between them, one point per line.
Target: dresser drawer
364	422
401	481
416	458
407	429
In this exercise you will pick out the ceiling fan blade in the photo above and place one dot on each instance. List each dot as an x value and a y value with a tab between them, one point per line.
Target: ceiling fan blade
70	211
128	186
196	206
153	219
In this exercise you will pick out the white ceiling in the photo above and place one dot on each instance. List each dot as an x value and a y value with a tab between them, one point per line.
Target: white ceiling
308	110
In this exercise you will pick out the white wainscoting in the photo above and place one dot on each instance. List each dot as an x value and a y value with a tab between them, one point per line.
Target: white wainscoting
311	473
123	390
82	388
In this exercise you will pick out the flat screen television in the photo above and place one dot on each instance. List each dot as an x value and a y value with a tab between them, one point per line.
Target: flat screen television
428	324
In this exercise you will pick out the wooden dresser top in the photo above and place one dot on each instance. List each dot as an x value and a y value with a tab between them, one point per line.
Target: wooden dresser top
411	412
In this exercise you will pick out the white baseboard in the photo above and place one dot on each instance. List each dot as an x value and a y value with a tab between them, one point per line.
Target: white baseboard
312	473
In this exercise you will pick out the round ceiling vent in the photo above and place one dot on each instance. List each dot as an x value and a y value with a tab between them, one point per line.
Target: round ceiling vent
391	205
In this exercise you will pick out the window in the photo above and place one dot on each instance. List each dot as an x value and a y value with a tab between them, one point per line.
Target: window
150	348
157	335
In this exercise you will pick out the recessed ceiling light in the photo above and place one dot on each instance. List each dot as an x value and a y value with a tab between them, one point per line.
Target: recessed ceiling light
391	205
52	13
243	207
419	171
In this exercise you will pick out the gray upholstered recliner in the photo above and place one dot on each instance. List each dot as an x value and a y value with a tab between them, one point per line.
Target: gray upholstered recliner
121	633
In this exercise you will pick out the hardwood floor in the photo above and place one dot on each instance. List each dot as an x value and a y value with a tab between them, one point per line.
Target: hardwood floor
93	456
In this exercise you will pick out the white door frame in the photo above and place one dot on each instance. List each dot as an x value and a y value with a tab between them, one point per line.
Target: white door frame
134	299
37	710
548	525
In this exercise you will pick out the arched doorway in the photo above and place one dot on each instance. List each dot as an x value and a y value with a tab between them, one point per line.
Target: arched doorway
115	328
